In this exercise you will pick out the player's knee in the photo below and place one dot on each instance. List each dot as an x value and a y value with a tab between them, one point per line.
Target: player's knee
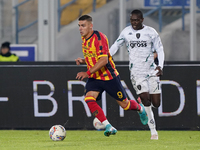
146	103
156	104
155	100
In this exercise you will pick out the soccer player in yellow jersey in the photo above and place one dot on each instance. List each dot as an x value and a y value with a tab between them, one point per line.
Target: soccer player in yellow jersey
102	74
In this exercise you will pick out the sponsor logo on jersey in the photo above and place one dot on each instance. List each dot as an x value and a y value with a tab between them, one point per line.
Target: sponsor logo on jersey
130	33
85	54
134	44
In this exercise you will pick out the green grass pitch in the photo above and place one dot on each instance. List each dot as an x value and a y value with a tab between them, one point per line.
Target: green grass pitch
95	140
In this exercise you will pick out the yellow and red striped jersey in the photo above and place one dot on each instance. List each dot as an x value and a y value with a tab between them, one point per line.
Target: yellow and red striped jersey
93	48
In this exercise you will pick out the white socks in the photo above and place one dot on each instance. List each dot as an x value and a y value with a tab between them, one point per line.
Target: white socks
151	120
141	110
105	122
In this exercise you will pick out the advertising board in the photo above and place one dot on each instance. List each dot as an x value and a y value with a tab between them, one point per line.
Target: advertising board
39	95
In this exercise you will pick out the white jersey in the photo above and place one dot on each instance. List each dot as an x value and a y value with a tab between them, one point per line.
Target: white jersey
140	45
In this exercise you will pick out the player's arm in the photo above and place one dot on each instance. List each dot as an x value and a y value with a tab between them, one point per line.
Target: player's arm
160	63
80	61
101	63
114	48
160	54
160	57
117	44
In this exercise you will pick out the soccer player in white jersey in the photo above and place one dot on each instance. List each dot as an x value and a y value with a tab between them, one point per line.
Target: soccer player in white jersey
142	43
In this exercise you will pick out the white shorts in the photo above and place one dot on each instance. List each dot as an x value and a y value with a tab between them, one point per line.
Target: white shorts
150	85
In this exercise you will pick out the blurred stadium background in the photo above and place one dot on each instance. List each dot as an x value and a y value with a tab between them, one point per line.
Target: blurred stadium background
22	22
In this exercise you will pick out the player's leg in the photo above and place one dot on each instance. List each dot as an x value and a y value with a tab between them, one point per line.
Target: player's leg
93	92
148	109
129	105
141	87
155	100
97	111
133	105
154	90
145	98
116	90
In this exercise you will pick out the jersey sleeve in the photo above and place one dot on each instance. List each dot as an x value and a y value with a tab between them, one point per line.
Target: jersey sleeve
158	47
117	44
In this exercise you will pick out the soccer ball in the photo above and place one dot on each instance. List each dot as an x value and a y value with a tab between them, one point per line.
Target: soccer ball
97	124
57	133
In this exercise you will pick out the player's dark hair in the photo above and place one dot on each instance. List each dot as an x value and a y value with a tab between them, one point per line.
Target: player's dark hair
85	17
137	12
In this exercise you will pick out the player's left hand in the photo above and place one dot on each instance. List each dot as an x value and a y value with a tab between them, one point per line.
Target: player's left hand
160	72
82	75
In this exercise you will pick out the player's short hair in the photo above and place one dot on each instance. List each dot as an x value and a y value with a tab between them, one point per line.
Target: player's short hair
85	17
137	12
